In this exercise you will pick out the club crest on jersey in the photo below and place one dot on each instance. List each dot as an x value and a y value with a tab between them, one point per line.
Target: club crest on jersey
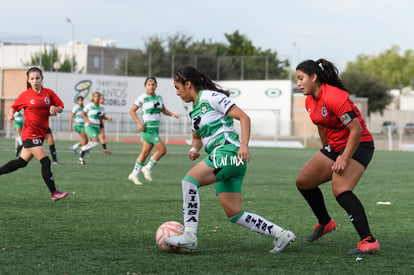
47	100
203	108
324	111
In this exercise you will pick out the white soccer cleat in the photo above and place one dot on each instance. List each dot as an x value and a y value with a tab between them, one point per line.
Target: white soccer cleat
75	151
283	241
183	241
134	179
81	161
147	173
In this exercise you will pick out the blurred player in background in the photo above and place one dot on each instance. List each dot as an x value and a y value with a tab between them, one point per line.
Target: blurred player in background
76	115
212	116
38	103
18	125
92	114
347	149
152	106
102	137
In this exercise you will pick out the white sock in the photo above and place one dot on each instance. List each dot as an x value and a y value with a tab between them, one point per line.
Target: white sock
151	163
191	207
88	146
259	225
19	140
137	168
75	146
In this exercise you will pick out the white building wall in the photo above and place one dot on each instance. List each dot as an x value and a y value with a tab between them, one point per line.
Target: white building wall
15	56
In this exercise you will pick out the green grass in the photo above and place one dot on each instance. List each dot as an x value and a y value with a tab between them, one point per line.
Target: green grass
107	225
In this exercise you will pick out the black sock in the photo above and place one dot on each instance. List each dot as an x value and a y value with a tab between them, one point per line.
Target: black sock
104	146
314	197
356	213
13	165
47	174
53	152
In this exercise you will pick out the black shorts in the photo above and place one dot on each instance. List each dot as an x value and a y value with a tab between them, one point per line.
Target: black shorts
363	153
30	143
49	131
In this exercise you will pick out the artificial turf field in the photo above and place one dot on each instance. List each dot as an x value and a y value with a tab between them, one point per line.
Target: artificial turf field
107	224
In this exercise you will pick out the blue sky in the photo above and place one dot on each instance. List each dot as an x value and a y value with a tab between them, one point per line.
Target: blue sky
338	30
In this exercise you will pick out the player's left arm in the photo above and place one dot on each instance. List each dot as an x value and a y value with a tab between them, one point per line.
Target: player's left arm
57	104
11	114
105	117
167	112
237	113
355	132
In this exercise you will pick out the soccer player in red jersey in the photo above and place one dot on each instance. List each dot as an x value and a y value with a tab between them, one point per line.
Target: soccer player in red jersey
347	149
38	103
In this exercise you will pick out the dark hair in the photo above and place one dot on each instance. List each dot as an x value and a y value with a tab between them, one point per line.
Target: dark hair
198	79
79	97
150	78
326	71
30	70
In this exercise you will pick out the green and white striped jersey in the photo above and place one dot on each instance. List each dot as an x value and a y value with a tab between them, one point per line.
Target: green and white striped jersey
77	110
94	113
151	107
209	120
18	116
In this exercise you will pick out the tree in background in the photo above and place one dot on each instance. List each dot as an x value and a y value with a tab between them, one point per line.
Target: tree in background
361	84
373	76
50	61
239	59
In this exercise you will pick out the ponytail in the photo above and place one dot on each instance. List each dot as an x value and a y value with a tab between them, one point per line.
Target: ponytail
200	80
326	72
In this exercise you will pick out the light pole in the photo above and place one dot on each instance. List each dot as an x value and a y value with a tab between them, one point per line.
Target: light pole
298	52
73	43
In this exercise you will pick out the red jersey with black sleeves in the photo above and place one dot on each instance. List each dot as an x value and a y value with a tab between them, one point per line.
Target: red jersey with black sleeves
36	111
329	110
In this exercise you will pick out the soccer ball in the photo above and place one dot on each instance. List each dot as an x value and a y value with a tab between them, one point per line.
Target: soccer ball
168	229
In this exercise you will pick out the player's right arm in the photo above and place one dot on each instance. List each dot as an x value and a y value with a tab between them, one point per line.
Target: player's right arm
85	117
11	114
322	136
70	122
133	113
196	145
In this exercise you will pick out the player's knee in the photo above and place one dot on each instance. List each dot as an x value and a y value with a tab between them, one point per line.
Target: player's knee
162	152
45	162
21	162
301	182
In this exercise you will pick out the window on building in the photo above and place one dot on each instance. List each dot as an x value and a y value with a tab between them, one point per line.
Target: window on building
97	62
117	63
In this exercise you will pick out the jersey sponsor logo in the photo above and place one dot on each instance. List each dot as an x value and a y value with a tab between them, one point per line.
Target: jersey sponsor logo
196	122
225	101
324	111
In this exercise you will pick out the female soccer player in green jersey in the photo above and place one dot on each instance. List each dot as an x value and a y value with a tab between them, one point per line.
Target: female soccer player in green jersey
212	115
152	106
